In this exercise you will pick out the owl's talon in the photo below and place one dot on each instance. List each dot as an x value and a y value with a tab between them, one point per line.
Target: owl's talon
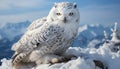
59	60
55	60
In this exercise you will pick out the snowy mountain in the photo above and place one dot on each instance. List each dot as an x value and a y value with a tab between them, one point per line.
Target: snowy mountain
88	33
11	30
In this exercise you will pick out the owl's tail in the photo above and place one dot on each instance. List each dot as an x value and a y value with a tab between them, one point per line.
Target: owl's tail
18	57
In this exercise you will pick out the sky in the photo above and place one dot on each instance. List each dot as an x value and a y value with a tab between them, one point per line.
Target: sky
104	12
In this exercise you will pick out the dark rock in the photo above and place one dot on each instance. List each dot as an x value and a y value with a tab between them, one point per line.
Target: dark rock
100	64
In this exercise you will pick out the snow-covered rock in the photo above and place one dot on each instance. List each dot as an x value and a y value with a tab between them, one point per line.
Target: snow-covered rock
84	61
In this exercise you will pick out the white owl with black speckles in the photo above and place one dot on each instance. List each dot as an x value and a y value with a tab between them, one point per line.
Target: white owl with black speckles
48	38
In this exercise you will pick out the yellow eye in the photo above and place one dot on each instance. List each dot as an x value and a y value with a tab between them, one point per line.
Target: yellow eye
58	14
70	14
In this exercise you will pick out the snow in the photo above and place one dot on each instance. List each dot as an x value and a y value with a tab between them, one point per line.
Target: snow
84	61
93	43
116	40
79	63
82	28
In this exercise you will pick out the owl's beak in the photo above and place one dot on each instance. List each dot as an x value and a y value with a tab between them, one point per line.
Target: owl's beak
64	20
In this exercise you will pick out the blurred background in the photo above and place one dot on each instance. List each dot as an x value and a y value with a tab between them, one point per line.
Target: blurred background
95	17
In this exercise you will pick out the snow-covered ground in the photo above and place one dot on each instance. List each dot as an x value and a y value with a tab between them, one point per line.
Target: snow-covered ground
84	61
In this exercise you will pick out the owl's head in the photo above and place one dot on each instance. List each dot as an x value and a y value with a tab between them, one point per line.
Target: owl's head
65	11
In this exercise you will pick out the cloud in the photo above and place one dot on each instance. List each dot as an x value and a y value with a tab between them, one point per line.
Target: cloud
22	10
9	4
21	17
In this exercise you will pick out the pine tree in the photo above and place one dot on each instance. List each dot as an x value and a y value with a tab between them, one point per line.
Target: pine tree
115	35
115	38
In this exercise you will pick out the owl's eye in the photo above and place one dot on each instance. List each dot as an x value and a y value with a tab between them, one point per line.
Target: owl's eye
58	14
70	14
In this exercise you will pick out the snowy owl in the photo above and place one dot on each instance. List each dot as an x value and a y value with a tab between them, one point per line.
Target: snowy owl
47	39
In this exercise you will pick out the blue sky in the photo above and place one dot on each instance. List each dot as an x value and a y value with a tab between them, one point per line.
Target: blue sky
104	12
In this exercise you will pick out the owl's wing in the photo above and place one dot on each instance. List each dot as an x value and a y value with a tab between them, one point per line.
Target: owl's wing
45	35
37	23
